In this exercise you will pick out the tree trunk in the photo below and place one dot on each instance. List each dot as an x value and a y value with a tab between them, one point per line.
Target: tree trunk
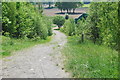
49	4
61	10
94	40
59	27
40	7
82	37
70	11
73	10
35	5
67	10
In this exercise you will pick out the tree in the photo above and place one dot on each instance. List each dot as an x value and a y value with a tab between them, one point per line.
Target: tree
49	4
102	25
9	17
40	7
59	5
104	21
22	19
76	5
0	17
93	19
59	20
69	27
68	6
66	16
118	37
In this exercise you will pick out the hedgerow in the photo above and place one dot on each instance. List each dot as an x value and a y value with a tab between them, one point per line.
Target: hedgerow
101	25
22	19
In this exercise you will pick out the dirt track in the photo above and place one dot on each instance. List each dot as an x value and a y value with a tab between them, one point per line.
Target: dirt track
41	61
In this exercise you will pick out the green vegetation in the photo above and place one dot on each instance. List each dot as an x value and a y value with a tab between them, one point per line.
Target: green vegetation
101	26
10	45
93	43
68	6
22	19
94	53
86	5
87	60
104	23
23	25
69	27
59	20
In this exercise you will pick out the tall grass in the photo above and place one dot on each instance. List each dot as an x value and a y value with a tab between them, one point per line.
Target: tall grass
87	60
10	45
86	5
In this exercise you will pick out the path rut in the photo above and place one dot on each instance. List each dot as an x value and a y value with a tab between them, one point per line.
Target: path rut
40	61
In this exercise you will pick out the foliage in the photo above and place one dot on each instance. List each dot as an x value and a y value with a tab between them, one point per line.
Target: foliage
68	5
69	27
10	45
88	60
0	17
93	19
86	5
106	21
118	33
59	5
82	27
40	28
101	26
49	22
8	17
22	19
59	20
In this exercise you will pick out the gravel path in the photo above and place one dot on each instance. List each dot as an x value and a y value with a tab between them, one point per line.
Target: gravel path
40	61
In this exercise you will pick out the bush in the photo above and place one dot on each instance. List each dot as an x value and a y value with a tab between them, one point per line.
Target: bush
104	22
22	20
59	20
82	27
8	17
69	27
41	29
49	22
101	24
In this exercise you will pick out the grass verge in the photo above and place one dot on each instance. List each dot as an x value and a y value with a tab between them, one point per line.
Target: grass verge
87	60
86	5
9	45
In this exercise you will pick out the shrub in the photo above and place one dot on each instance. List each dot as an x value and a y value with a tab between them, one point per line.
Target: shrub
101	25
8	17
41	29
22	20
104	22
69	27
59	20
49	26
